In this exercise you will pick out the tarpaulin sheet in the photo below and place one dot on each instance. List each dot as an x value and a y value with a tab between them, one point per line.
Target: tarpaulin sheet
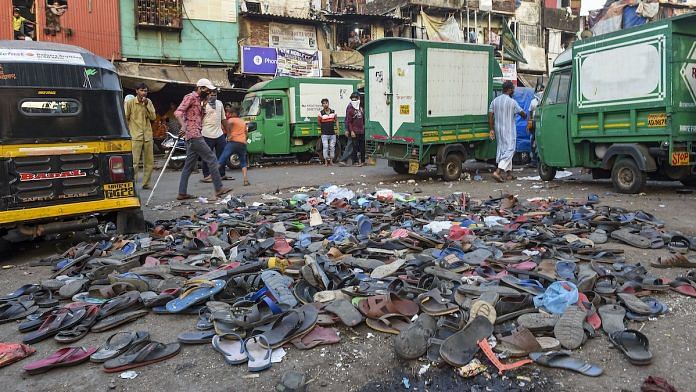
611	20
447	31
631	17
524	97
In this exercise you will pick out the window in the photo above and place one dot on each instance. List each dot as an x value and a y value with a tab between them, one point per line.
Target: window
274	107
559	89
529	34
250	106
49	107
159	13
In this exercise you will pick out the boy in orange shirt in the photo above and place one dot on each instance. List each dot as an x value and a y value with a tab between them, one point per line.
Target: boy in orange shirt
236	131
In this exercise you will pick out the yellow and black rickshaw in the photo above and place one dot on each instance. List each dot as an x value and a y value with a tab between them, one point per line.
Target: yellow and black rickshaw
65	152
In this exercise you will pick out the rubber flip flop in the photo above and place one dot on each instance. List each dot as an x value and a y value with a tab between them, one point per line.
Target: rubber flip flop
55	323
80	330
26	289
196	337
67	356
679	244
278	285
677	260
15	310
631	238
232	348
434	304
318	336
683	287
117	344
460	348
413	341
130	299
634	344
143	354
14	352
531	286
192	310
386	270
482	308
258	352
569	328
118	319
612	318
389	323
634	304
566	270
197	291
379	305
345	311
295	323
563	360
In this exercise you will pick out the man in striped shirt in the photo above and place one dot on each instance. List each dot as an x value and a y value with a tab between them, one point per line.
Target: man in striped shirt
327	123
501	121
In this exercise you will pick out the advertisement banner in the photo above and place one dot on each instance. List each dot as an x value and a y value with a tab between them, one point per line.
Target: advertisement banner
292	36
509	72
259	60
293	62
40	56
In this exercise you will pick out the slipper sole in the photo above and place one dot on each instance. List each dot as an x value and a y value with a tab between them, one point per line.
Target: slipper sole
139	364
569	330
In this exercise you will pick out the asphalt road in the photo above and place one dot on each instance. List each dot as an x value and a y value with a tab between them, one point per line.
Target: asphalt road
365	360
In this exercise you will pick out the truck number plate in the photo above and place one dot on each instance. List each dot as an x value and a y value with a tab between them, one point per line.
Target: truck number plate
115	191
404	109
657	120
680	158
413	167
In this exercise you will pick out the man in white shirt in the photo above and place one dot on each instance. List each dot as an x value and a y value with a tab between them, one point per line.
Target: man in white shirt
212	132
501	121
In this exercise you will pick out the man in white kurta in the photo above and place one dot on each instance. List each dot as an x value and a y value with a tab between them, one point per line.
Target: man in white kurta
501	121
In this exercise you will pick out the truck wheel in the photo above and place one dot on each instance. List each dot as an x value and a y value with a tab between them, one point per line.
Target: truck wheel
546	173
627	177
452	167
177	165
305	156
689	181
233	162
130	222
400	167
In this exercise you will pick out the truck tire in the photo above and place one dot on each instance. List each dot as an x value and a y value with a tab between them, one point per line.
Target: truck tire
689	181
452	167
546	173
233	162
627	177
305	156
400	167
130	222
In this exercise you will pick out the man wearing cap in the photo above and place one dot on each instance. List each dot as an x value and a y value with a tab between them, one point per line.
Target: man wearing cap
190	114
501	121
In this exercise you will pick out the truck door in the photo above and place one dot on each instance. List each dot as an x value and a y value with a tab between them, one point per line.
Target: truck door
276	125
392	90
552	134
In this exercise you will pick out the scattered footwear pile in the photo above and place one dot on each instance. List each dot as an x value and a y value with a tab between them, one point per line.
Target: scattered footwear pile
448	277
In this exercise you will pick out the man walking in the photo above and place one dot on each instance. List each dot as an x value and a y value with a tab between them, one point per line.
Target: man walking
213	121
190	115
501	121
139	112
236	130
327	123
355	128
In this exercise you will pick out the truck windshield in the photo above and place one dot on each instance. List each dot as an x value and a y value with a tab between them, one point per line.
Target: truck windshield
250	106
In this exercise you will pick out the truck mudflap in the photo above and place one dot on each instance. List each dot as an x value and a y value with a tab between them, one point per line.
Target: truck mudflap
639	153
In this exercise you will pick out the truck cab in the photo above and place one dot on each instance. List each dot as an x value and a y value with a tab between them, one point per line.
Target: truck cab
266	112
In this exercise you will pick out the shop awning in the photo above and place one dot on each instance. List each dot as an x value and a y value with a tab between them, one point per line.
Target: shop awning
156	76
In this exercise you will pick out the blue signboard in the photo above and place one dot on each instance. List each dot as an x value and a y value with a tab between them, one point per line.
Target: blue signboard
259	60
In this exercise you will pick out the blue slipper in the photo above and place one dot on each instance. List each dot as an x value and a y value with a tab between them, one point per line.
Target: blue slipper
194	292
566	270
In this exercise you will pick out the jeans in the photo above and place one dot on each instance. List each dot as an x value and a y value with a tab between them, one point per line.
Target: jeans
347	149
234	148
329	144
142	149
217	145
195	148
359	148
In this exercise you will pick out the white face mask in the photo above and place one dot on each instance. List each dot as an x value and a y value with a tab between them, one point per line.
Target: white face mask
356	104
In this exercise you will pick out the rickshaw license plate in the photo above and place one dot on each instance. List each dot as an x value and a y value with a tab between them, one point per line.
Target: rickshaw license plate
680	158
413	167
115	191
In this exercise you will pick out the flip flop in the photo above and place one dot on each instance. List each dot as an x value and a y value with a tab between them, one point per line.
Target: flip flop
143	354
315	218
130	299
258	352
683	286
232	348
295	323
195	291
460	348
118	319
389	323
569	328
196	337
627	236
55	323
566	270
531	286
13	352
81	330
117	344
278	285
379	305
67	356
318	336
482	309
15	310
522	342
195	310
476	291
679	244
26	289
345	311
413	341
434	304
386	270
612	318
677	260
634	344
563	360
634	304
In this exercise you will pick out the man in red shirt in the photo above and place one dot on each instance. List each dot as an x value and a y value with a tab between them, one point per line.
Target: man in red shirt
190	115
355	128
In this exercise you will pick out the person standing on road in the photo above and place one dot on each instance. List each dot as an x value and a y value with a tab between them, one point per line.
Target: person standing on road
139	113
531	125
501	121
327	123
190	114
236	130
355	128
213	123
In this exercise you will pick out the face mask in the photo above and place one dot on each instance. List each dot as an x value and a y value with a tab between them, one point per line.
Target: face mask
355	104
204	94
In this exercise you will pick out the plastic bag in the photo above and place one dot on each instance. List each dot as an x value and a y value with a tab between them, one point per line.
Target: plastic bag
557	297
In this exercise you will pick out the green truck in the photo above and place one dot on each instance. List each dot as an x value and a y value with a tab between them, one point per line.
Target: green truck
281	116
426	103
624	105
